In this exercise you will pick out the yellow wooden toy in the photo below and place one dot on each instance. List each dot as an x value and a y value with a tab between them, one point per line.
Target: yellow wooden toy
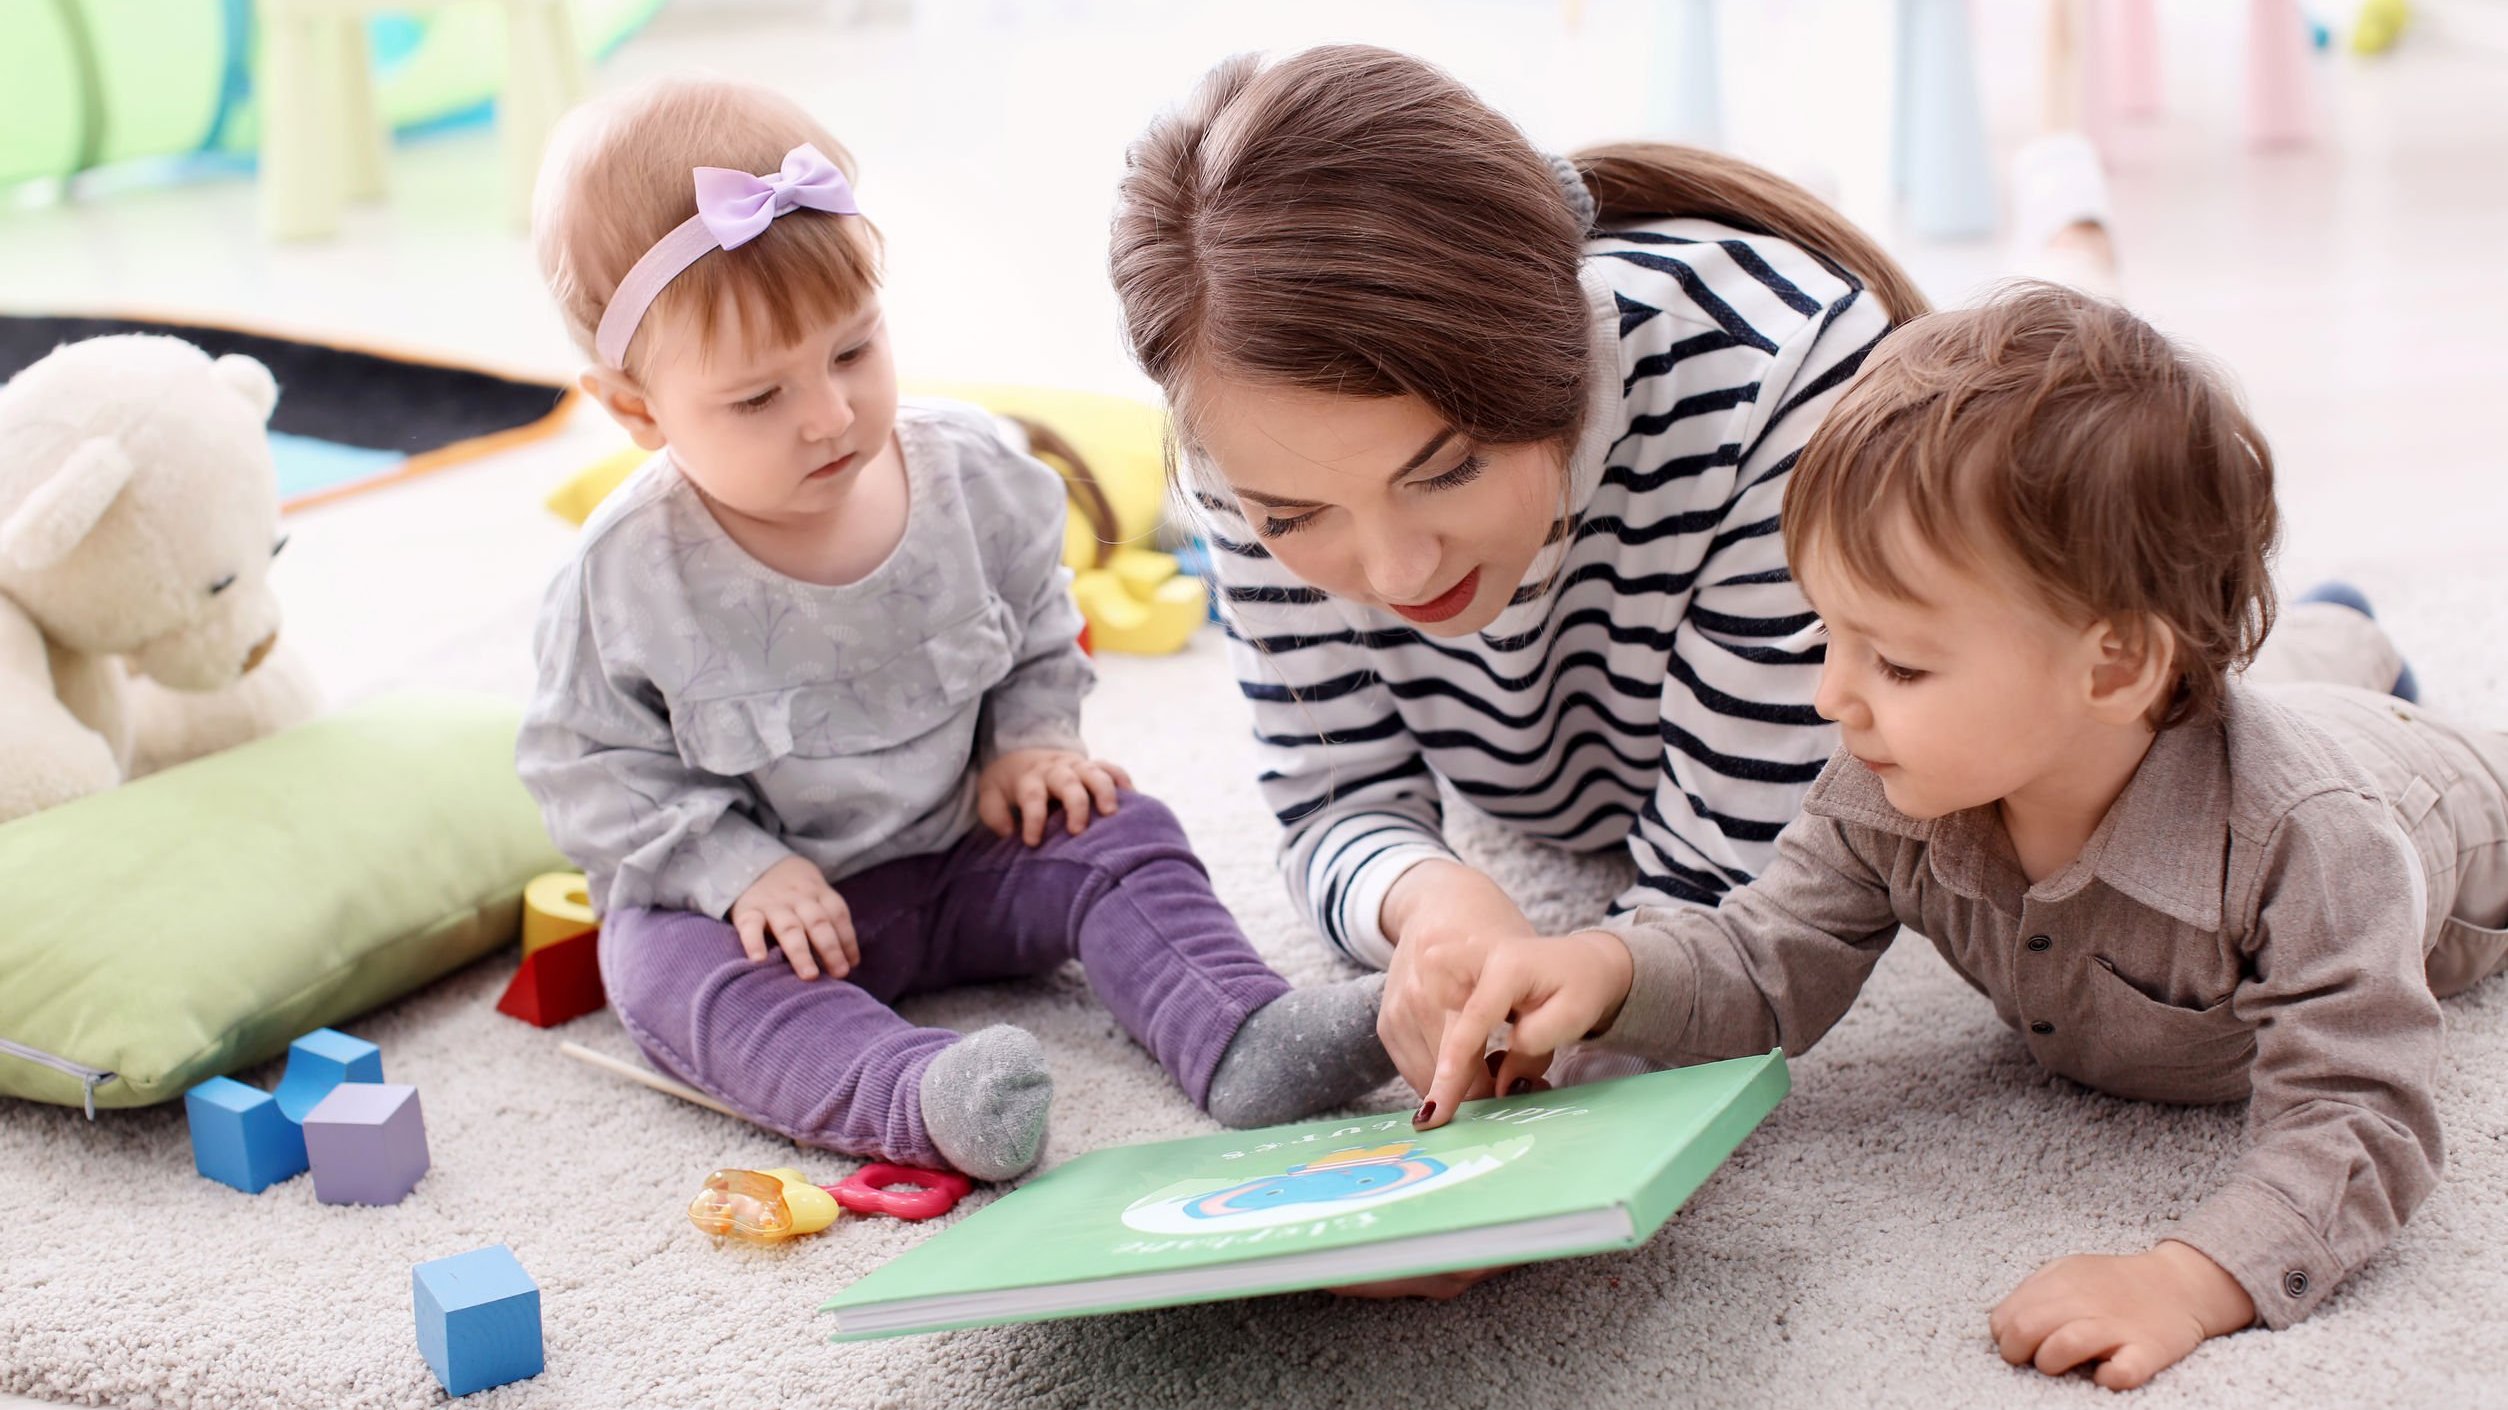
1140	604
557	906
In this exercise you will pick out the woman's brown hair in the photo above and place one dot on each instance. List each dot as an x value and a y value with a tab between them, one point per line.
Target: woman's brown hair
1354	221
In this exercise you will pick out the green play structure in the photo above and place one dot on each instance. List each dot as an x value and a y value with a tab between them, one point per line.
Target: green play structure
94	83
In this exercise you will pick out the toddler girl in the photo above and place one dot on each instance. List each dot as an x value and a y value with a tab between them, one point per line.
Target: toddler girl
806	649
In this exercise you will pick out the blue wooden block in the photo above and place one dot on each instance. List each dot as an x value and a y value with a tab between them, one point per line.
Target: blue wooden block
478	1319
367	1142
239	1136
321	1060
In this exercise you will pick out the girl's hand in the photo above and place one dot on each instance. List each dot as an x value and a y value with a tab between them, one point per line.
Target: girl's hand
1554	991
2136	1315
1031	781
1436	906
793	902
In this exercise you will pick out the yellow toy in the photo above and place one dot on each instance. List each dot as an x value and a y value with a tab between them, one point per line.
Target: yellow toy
556	906
1140	604
761	1206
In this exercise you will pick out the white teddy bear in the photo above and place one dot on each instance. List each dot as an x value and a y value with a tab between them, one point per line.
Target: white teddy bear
138	516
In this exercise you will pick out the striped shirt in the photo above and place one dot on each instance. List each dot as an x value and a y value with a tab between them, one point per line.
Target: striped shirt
1651	682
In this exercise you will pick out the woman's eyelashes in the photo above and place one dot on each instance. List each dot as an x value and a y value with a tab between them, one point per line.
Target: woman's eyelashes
1272	526
1461	475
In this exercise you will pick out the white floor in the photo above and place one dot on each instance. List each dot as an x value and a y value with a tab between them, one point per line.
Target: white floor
2353	285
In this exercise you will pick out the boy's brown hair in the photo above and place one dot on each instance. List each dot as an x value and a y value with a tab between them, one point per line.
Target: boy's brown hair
620	175
2106	469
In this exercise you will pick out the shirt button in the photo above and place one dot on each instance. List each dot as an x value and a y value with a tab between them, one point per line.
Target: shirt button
2042	1027
2040	944
2295	1283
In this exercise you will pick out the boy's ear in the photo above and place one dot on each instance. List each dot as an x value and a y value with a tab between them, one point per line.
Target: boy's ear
621	396
2133	669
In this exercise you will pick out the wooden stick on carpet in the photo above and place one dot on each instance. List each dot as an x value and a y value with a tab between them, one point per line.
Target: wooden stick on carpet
654	1080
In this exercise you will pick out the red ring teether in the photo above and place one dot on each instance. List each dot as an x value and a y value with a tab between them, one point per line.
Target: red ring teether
938	1193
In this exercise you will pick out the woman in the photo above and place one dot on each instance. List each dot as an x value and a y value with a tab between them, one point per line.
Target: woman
1491	447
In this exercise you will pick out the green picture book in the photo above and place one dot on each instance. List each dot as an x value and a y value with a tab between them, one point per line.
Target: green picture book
1326	1203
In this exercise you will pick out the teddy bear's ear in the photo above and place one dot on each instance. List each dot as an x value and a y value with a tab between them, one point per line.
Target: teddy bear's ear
250	380
65	509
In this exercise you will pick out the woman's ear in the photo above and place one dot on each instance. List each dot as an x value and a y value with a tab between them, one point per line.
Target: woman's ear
623	398
2133	670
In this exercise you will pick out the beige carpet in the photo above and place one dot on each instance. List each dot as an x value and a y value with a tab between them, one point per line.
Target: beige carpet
1846	1255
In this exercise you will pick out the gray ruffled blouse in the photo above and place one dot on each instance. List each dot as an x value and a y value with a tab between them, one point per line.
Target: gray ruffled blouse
700	717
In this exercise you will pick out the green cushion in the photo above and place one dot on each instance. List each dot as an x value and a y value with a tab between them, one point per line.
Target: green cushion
198	920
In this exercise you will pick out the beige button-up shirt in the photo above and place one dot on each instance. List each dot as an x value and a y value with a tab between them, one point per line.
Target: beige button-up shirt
2249	921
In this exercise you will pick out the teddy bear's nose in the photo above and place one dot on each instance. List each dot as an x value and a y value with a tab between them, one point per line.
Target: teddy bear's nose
260	652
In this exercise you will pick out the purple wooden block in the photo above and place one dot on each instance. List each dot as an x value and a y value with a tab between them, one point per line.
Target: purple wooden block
367	1142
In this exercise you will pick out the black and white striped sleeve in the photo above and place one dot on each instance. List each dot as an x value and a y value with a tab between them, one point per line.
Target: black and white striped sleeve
1741	742
1355	798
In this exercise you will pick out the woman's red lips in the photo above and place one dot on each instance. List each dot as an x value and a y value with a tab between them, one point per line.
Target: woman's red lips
1445	604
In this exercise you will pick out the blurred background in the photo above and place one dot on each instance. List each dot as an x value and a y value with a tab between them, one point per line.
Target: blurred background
2317	194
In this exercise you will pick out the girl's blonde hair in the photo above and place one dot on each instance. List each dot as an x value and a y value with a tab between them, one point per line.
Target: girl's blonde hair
1354	221
619	176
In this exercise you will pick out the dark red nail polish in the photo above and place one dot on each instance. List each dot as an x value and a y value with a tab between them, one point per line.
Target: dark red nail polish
1427	1113
1519	1086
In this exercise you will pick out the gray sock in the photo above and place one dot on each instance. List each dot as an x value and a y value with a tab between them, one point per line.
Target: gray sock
1307	1051
985	1099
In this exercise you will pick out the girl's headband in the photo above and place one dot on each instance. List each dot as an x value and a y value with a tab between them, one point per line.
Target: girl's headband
733	207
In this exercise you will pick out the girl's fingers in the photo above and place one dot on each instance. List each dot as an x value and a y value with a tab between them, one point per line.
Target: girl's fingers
821	929
1074	793
795	938
1101	784
1032	809
752	928
992	808
845	936
1121	776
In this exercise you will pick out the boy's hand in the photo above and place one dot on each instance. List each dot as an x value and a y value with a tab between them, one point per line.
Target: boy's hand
793	901
1433	905
2136	1315
1554	991
1031	781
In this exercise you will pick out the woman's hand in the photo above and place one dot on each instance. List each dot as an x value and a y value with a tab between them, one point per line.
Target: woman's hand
1435	906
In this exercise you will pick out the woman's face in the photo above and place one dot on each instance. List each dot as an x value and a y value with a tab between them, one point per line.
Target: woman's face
1378	500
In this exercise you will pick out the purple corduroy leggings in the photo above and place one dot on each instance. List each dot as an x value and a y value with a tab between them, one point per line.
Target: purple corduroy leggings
829	1063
